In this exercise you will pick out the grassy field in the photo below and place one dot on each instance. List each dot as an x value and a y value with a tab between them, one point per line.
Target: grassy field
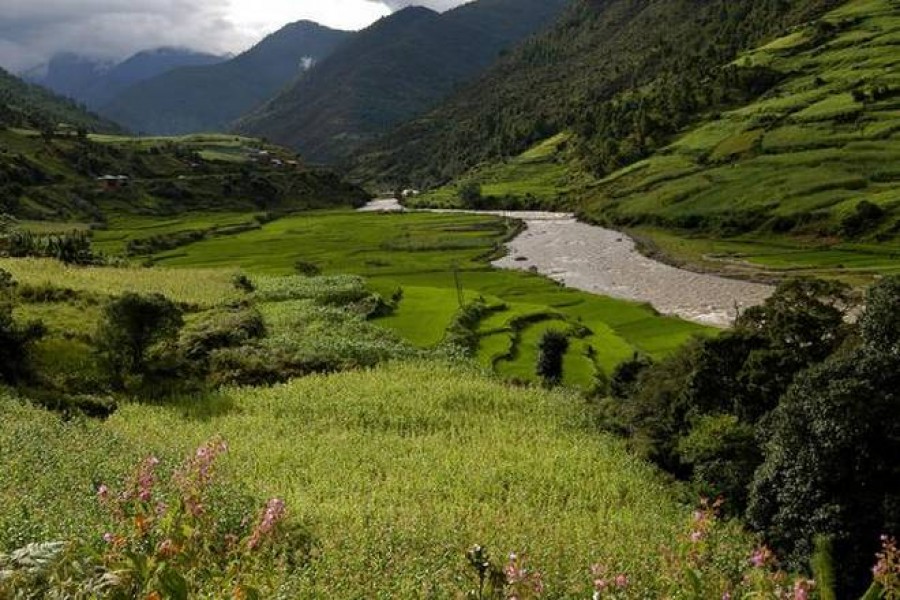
122	228
544	175
777	257
419	254
395	473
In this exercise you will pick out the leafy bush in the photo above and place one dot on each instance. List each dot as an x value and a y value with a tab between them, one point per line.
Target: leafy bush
880	322
130	326
551	350
14	339
221	328
831	463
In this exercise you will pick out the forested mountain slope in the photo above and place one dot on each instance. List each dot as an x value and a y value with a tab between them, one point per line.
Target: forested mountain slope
563	78
27	105
393	71
207	98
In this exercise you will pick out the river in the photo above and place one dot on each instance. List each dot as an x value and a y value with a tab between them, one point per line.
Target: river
607	262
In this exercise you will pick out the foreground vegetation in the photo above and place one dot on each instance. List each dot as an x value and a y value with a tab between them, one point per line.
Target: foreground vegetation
384	511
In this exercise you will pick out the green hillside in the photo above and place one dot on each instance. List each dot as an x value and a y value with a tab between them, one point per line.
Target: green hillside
208	98
797	180
26	105
54	176
814	159
395	70
566	76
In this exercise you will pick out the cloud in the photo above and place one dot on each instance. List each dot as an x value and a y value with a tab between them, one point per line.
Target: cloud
440	5
31	31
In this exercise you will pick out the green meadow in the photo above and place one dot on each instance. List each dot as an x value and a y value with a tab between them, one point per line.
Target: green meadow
393	474
421	257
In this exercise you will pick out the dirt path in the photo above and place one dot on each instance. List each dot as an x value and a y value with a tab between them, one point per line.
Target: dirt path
606	262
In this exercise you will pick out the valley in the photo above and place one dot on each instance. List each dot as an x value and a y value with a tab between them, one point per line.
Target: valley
485	300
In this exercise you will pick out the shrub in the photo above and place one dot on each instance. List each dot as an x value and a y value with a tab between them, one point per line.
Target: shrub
866	217
14	339
880	322
243	283
222	328
551	349
130	326
306	268
831	463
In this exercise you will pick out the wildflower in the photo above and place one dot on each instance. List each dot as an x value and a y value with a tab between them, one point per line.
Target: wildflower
103	492
696	536
761	557
802	589
622	581
275	509
887	568
109	538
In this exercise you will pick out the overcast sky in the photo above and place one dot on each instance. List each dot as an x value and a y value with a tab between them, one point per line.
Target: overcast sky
32	30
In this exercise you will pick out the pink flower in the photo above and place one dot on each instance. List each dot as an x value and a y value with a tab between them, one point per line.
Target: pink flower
622	581
761	557
802	589
103	492
275	509
109	538
696	536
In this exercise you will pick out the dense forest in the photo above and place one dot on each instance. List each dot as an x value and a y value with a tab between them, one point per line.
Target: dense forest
791	417
594	67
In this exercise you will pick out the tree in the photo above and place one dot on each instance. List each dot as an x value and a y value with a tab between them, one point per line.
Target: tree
830	465
14	340
551	350
880	322
130	326
470	194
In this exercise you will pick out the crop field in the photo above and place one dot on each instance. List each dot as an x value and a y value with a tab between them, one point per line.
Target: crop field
801	157
123	228
542	174
422	257
393	474
778	257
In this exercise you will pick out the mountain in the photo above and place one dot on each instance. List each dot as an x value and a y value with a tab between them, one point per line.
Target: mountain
30	106
94	83
208	98
599	50
393	71
68	74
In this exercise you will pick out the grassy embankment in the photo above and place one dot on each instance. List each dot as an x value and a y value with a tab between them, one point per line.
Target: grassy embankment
418	254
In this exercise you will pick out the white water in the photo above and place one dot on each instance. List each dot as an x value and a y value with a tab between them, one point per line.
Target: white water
606	262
